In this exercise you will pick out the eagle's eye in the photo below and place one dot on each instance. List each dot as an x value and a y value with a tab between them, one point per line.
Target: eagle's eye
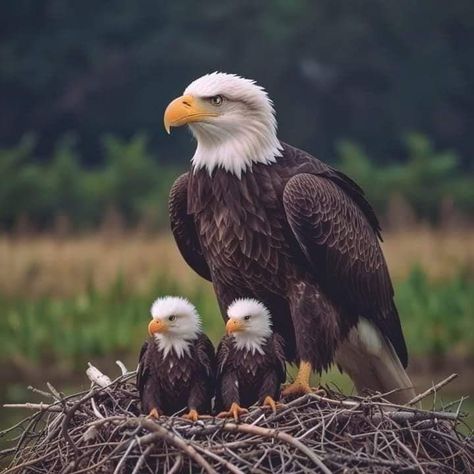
216	100
171	318
246	318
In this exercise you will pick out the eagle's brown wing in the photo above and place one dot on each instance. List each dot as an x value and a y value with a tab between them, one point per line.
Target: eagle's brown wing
203	383
336	237
206	355
280	360
149	396
227	387
184	229
143	368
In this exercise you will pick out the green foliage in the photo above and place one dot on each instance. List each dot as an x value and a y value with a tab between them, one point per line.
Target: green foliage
130	181
426	178
436	316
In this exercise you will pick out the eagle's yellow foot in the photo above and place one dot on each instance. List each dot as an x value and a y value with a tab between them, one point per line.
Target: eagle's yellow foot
296	389
234	412
269	402
301	384
192	415
154	413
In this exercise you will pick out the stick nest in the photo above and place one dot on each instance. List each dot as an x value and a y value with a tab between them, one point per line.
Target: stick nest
101	431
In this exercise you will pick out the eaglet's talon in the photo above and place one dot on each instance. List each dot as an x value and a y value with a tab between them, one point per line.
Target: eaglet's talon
270	402
192	415
154	413
234	412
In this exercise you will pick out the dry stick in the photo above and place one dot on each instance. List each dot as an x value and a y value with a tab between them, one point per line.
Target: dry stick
220	460
141	459
272	433
34	406
177	442
432	389
177	464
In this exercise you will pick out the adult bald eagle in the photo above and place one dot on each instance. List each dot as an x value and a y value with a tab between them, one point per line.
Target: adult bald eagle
177	363
250	360
259	217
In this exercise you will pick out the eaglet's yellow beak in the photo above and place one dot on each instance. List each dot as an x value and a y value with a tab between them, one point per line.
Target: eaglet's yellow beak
157	326
186	109
234	325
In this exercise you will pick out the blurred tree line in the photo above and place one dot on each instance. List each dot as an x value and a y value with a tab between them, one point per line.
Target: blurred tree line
131	185
367	71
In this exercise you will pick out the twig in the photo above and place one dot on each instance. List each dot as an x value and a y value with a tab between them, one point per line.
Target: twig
432	389
244	428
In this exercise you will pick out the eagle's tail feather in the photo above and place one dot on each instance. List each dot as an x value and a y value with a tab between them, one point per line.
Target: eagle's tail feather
372	363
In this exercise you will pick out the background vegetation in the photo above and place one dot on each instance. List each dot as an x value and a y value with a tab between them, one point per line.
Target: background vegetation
131	184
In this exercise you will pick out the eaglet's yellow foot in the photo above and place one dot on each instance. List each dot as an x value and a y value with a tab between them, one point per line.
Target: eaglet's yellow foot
270	402
154	413
192	415
235	411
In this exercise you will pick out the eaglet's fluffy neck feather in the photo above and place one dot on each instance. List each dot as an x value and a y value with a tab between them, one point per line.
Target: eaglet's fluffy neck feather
245	133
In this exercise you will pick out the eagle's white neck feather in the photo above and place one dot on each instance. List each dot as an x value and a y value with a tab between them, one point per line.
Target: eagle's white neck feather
167	344
243	135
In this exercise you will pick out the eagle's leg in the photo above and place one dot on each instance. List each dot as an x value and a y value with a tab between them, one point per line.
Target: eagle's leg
301	384
154	413
270	402
234	412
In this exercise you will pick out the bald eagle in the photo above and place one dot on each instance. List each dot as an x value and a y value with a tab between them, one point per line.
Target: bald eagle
250	360
177	363
259	217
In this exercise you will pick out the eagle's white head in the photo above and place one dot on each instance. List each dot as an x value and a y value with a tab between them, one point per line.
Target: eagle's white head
232	119
249	323
174	325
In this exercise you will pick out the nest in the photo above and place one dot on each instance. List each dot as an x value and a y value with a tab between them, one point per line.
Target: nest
100	430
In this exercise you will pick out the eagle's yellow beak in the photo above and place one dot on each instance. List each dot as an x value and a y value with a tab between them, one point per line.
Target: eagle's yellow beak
234	325
157	326
186	109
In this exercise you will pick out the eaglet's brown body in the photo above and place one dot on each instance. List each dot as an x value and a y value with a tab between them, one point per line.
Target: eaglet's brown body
297	235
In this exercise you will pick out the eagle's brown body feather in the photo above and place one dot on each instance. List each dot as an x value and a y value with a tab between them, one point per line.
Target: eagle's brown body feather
173	383
298	236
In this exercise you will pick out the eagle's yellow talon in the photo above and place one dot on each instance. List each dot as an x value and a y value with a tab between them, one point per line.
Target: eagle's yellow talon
234	412
154	413
296	389
301	385
269	402
193	415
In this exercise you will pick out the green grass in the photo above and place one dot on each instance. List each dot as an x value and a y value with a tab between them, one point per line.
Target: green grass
437	318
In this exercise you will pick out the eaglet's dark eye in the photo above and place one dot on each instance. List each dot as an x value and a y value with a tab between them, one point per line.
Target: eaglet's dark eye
246	318
172	317
216	100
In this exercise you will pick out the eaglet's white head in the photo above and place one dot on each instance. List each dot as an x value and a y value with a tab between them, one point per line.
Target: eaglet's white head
232	119
249	323
174	325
